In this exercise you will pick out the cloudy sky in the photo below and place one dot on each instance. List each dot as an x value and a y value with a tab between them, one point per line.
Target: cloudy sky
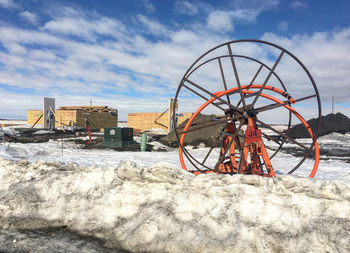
131	55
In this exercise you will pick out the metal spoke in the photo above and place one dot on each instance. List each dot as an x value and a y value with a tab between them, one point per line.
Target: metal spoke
270	138
223	79
213	95
240	160
216	119
206	157
222	157
188	155
252	81
266	80
204	126
255	76
211	148
195	92
305	98
236	75
276	105
270	106
282	134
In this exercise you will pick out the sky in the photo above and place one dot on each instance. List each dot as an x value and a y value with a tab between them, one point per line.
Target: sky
131	55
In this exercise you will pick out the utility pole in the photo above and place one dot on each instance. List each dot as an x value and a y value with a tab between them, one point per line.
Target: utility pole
332	104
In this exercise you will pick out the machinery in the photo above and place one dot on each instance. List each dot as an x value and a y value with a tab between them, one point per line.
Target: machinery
251	88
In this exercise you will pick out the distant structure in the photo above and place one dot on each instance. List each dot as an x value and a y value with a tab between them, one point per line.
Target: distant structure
98	116
12	122
122	123
143	121
49	113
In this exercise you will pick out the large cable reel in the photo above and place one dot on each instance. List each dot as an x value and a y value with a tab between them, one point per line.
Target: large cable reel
247	86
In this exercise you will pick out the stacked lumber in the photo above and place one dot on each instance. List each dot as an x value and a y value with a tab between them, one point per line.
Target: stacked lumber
85	108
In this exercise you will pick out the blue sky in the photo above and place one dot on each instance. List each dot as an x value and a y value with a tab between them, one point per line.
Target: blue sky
131	55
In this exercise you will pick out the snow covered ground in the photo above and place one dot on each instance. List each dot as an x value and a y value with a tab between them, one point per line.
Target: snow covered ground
103	201
331	168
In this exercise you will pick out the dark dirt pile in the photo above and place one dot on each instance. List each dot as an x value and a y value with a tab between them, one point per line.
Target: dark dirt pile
207	135
28	136
330	123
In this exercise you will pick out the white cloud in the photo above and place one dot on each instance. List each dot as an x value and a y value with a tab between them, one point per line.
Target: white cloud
85	27
220	21
249	10
29	17
57	64
283	26
248	15
328	62
14	48
255	4
241	10
9	4
91	54
298	5
148	6
152	26
28	37
186	37
186	8
66	11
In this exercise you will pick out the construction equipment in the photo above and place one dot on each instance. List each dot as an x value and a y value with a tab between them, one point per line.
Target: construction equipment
249	85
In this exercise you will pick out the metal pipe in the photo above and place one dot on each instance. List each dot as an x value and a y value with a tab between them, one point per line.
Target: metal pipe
143	142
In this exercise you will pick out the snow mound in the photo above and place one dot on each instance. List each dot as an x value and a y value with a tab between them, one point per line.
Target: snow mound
165	209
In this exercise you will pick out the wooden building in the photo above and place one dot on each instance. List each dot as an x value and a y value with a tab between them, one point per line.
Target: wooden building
147	120
98	116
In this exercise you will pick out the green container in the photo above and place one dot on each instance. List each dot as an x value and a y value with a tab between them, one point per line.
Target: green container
116	137
120	133
143	142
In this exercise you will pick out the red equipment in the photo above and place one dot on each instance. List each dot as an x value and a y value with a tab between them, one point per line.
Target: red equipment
87	126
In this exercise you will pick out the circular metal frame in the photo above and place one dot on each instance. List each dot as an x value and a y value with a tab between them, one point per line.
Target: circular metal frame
194	67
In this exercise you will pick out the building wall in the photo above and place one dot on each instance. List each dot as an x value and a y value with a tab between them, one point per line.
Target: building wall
33	115
66	118
98	119
70	117
12	122
144	121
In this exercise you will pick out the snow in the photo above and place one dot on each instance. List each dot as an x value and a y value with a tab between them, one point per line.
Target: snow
51	151
13	122
162	208
98	200
49	240
44	132
158	131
